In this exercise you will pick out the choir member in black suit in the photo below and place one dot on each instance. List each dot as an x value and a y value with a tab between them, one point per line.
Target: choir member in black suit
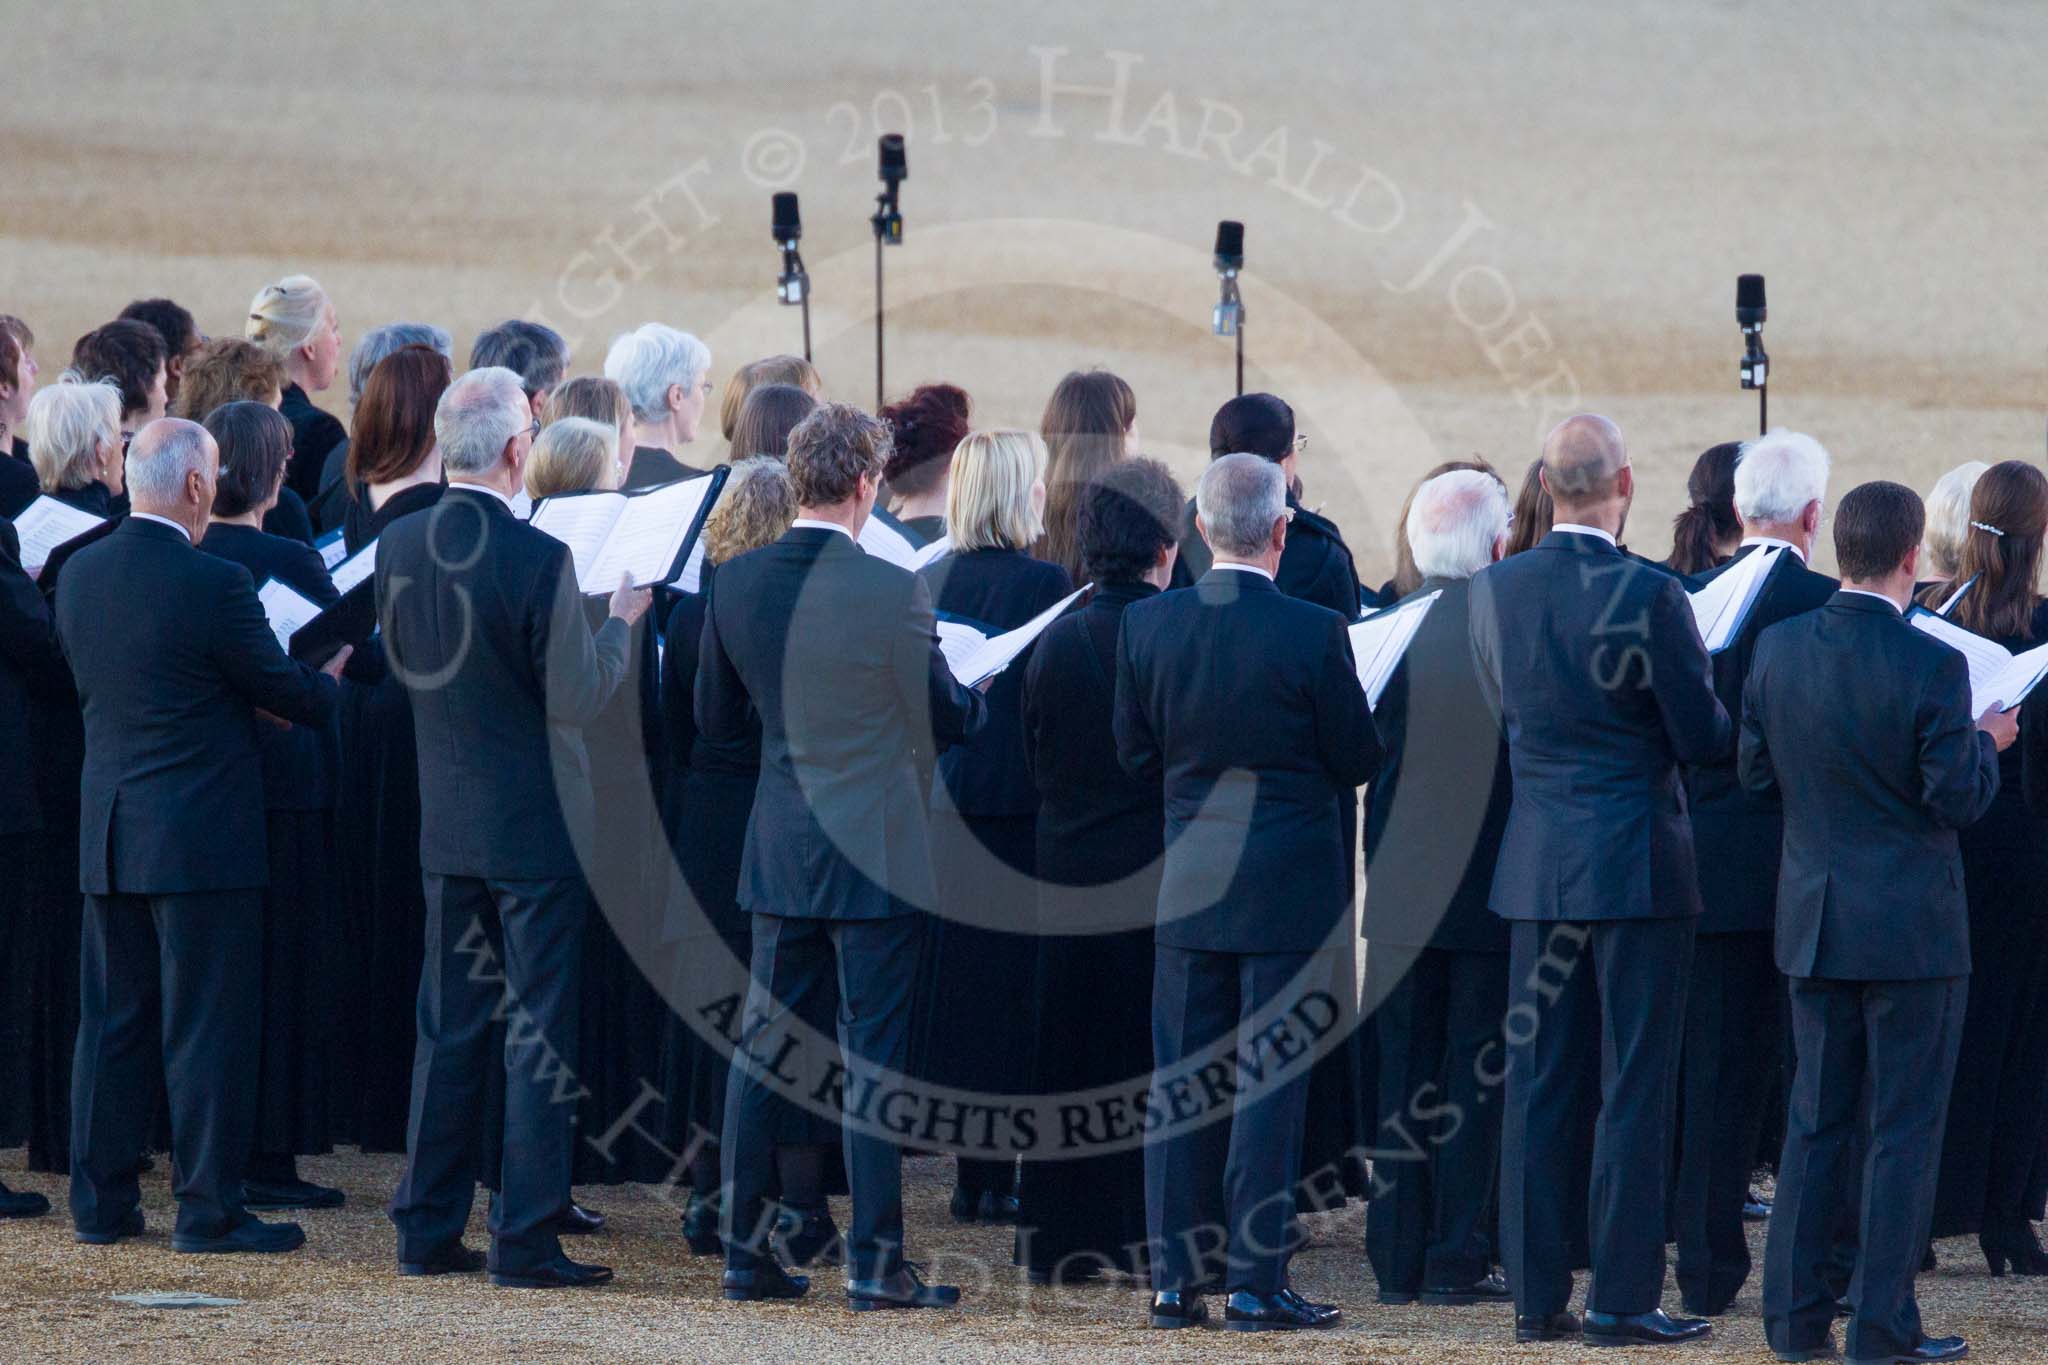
667	377
1436	970
1996	1110
395	470
1734	1005
974	1026
1407	578
31	667
1707	533
231	370
295	322
299	771
484	624
1858	722
1089	424
18	483
172	851
1594	664
1101	840
835	655
925	429
1247	702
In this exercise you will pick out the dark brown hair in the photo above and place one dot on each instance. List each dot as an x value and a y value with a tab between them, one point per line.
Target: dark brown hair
2012	496
1127	517
1407	578
255	442
394	424
1698	532
125	351
1534	511
1876	523
925	429
227	370
770	413
1085	426
831	449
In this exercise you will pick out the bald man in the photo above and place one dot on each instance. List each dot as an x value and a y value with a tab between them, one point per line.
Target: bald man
1603	688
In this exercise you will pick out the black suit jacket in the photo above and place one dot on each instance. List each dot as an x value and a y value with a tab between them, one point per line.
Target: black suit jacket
172	796
1596	669
31	666
1736	834
651	466
484	625
1316	566
18	484
1436	811
1863	725
1246	702
836	653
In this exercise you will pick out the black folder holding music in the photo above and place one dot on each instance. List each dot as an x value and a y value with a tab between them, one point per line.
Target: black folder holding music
645	534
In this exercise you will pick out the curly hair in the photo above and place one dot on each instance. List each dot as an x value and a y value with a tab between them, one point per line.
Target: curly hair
757	506
228	370
831	449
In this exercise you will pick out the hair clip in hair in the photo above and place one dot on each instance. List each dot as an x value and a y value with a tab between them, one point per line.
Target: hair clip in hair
1987	526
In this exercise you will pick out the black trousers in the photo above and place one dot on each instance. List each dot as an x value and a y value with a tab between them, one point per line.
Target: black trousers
1891	1044
795	960
1592	1005
1734	1026
188	965
1222	1183
514	946
1436	1141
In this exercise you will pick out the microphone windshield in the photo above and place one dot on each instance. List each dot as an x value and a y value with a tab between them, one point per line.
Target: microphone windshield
788	222
1229	245
894	167
1749	299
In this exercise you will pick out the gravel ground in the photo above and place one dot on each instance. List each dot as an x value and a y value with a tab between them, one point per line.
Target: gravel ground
340	1299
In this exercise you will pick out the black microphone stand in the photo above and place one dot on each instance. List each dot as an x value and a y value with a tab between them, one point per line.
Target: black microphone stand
795	287
1230	319
888	225
1756	372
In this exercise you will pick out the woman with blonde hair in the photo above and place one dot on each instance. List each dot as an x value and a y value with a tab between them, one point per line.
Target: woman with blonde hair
792	370
599	399
573	455
975	1022
295	321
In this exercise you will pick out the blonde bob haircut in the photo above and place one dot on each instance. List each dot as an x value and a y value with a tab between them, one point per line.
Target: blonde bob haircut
573	455
994	502
284	316
757	506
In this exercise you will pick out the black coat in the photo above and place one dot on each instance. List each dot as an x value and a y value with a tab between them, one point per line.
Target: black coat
172	794
1862	725
1246	702
652	466
31	668
835	655
1316	566
1600	679
1439	805
1736	835
315	431
483	622
19	485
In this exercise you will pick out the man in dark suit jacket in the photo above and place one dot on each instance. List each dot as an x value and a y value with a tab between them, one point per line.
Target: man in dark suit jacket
1436	975
171	849
1603	686
484	624
1247	703
1861	725
838	654
1734	1006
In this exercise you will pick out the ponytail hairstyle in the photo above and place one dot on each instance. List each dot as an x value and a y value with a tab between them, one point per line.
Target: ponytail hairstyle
1699	531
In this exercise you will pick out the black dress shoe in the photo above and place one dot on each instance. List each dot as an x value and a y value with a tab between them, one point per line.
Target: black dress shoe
1285	1311
1801	1355
1932	1349
22	1203
454	1259
1173	1309
700	1226
996	1208
560	1273
807	1235
1928	1264
963	1205
1492	1289
1546	1326
290	1194
1755	1208
905	1289
766	1280
252	1236
1396	1298
577	1221
130	1225
1655	1328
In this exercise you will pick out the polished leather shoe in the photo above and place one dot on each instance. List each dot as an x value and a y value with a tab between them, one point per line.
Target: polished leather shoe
1932	1349
807	1235
1755	1208
1173	1309
1546	1326
577	1221
1285	1311
290	1194
129	1226
905	1289
454	1259
766	1280
560	1273
986	1207
22	1203
700	1226
1492	1289
252	1236
1654	1328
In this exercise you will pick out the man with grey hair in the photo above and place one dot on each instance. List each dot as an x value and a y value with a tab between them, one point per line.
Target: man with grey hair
1595	667
1436	976
1246	704
667	379
1735	1006
171	849
484	624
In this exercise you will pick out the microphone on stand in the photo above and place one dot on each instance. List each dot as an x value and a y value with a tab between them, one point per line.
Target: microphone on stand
1228	320
1755	368
888	225
793	287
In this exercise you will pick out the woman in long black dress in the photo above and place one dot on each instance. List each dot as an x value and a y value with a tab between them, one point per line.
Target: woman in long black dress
1996	1105
1101	840
300	767
974	1029
394	470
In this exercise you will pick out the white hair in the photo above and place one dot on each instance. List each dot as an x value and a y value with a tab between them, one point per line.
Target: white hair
1239	498
67	423
1778	474
477	415
284	316
644	362
1455	521
1948	516
161	456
